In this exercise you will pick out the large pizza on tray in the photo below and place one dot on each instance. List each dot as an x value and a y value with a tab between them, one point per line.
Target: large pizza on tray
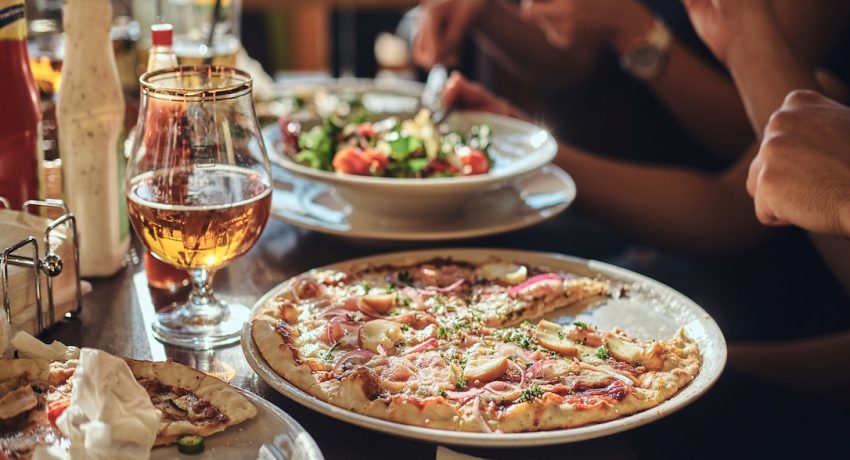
457	345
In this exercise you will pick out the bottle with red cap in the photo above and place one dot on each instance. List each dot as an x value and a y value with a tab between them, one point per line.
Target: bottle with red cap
162	53
20	115
163	276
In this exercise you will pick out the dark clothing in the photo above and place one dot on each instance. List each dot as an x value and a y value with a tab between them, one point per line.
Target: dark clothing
777	290
742	417
614	114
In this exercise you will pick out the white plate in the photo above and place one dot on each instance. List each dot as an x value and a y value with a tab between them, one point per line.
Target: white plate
271	427
517	148
652	310
529	200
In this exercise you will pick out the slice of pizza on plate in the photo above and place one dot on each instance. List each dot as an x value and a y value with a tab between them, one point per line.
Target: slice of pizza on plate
35	392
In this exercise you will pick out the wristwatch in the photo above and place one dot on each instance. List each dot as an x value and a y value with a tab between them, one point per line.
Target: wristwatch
646	56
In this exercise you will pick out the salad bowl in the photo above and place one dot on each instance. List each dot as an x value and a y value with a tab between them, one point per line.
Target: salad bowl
516	148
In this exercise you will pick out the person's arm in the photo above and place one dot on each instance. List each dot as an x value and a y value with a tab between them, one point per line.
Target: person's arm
710	107
770	48
700	96
522	49
519	46
824	358
667	206
671	207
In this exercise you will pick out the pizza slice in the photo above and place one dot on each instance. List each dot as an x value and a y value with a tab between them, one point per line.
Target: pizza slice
510	293
34	392
191	402
498	293
31	397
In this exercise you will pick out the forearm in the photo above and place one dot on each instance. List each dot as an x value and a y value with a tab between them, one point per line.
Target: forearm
844	218
704	101
523	50
701	97
664	206
781	363
765	70
835	253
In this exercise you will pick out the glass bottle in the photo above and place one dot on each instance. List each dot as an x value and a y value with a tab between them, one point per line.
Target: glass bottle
160	274
90	114
20	117
162	51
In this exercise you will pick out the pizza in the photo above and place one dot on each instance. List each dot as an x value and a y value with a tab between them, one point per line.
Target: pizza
191	401
34	392
458	345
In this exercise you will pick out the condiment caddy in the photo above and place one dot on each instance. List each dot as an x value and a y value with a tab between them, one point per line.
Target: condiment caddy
43	259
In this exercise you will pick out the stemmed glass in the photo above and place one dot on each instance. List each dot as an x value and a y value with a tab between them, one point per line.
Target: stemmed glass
198	190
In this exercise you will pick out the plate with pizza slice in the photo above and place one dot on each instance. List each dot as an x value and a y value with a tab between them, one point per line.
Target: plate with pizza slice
199	412
484	347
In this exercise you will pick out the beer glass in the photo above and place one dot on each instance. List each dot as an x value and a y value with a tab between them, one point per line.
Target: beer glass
198	190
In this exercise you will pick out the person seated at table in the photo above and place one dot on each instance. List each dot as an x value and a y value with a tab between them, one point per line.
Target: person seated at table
800	176
801	173
626	78
740	279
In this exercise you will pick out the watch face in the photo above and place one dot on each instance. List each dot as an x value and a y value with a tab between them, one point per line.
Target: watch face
646	56
645	60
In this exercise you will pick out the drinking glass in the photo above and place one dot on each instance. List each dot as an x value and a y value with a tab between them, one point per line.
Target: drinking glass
198	190
201	35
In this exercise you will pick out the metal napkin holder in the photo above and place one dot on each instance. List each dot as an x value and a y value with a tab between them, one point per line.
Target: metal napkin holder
50	265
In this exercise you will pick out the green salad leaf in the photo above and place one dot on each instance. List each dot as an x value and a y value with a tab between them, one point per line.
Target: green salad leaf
317	147
417	164
402	147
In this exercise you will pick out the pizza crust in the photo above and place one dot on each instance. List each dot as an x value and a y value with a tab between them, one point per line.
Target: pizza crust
31	370
227	399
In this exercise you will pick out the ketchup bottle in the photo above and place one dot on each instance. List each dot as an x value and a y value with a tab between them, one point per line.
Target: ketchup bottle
20	114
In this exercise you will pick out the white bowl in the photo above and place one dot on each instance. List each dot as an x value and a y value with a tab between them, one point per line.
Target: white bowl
517	148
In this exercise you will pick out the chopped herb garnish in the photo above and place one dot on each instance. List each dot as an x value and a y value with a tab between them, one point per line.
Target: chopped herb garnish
328	354
461	383
602	353
530	394
442	332
461	325
405	327
580	325
391	288
444	394
561	334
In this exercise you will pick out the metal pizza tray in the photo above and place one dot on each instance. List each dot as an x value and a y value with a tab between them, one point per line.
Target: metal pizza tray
652	310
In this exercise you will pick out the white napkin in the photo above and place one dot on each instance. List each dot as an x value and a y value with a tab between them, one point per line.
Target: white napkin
30	347
110	417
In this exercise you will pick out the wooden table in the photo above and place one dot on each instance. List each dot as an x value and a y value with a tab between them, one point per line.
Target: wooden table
117	314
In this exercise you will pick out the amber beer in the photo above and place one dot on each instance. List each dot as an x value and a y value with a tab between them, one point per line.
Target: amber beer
199	217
